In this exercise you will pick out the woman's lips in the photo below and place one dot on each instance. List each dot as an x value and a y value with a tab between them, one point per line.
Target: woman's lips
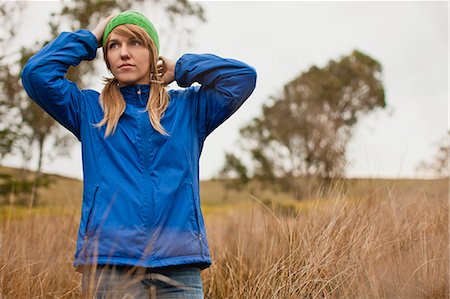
126	66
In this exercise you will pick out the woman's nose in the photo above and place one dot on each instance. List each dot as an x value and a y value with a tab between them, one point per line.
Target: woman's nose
124	53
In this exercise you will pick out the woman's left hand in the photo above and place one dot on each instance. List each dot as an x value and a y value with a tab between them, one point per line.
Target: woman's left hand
166	69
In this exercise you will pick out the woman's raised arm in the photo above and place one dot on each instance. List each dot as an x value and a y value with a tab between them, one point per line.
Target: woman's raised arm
225	85
43	77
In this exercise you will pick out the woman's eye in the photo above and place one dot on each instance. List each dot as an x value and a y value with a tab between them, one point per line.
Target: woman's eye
136	42
112	45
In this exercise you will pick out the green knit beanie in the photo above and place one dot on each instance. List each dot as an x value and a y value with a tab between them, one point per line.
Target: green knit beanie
132	17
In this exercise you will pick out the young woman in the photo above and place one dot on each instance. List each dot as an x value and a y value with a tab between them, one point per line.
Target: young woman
141	230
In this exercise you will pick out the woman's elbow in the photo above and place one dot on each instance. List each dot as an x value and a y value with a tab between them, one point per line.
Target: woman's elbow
249	81
30	75
34	78
26	73
252	72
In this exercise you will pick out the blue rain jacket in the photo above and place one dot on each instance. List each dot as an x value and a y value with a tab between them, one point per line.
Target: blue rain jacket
141	202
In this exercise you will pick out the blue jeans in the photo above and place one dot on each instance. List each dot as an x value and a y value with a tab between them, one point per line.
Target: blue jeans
120	282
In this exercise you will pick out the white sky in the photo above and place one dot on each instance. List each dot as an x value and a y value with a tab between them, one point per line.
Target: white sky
283	39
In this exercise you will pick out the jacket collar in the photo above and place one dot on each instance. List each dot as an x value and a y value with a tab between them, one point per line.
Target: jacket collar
136	94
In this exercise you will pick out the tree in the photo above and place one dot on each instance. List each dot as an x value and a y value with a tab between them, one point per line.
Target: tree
305	130
10	88
235	172
11	102
438	166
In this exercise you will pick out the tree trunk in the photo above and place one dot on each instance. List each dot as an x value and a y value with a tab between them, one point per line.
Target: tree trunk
37	175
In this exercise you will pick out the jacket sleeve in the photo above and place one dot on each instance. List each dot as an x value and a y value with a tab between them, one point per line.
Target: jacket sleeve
43	77
225	85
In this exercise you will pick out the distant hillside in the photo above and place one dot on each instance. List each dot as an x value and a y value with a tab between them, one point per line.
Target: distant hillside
68	191
61	191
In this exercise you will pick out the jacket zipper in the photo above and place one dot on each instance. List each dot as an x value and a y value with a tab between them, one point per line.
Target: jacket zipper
199	233
88	222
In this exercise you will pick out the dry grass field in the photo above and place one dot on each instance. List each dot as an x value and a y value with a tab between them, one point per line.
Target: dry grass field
369	239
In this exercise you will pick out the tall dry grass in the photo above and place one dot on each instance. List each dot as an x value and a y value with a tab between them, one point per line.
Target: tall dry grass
36	254
394	246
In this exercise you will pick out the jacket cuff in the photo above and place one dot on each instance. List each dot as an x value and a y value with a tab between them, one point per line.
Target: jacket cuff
179	73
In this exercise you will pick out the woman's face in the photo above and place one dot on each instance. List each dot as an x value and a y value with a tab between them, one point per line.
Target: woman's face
129	59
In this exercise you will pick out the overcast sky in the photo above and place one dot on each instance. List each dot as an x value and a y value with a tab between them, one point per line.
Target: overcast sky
283	39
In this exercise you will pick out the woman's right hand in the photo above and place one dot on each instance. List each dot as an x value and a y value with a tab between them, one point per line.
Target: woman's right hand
98	31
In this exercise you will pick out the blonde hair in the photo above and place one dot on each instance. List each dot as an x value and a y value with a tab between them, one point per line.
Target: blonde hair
111	99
